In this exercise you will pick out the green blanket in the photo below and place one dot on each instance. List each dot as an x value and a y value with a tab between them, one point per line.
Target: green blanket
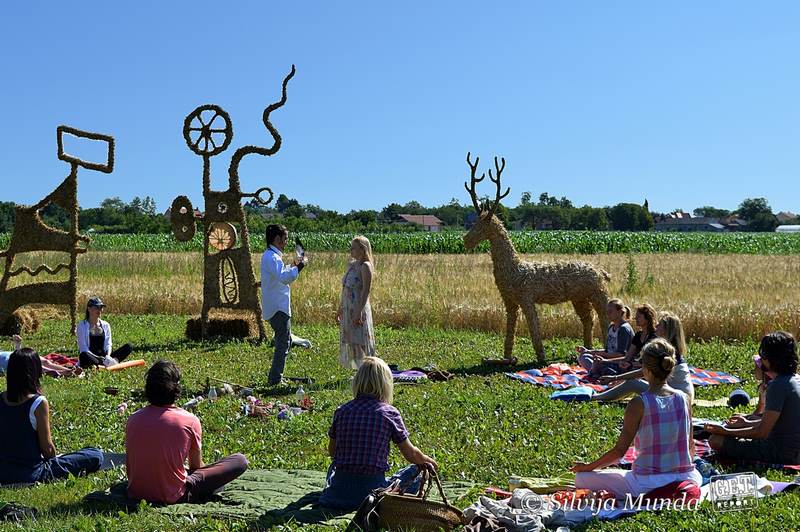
268	496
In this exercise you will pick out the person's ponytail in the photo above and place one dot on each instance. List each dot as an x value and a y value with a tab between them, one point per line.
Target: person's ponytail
658	356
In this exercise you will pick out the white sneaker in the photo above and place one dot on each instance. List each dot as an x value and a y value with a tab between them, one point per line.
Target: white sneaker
109	361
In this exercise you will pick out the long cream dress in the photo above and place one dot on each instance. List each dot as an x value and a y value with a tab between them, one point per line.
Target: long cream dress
355	341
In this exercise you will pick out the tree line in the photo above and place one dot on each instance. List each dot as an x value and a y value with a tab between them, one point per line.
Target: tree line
140	215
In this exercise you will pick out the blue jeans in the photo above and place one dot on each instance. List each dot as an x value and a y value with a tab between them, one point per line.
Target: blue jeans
281	323
86	460
346	491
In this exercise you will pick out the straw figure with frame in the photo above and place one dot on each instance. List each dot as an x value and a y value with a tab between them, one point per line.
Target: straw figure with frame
31	234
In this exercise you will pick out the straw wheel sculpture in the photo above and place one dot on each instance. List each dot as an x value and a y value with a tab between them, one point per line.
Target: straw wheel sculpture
208	130
222	236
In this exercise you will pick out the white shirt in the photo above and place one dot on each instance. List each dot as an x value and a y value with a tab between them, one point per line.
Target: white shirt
82	333
275	280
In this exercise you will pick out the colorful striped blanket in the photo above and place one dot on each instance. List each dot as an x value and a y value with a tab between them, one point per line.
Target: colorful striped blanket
562	376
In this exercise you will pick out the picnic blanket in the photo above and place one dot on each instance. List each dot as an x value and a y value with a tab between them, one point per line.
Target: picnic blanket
517	514
57	358
409	376
721	401
563	376
268	497
578	393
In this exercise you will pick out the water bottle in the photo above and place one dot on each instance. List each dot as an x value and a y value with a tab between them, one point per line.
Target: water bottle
212	393
192	403
299	395
705	469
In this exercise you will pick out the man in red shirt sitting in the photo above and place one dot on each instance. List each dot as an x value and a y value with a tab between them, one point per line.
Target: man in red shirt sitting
159	439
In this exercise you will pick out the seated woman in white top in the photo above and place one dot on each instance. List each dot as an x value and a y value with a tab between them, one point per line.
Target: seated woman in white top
94	339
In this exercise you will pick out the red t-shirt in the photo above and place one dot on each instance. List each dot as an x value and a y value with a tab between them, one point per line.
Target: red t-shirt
158	440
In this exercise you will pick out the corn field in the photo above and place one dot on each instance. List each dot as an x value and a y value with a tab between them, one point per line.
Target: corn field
450	242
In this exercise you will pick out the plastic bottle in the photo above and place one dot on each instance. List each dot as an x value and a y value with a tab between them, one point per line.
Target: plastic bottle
192	403
212	393
299	395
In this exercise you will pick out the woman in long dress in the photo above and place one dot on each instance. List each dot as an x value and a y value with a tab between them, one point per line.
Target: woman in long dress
356	333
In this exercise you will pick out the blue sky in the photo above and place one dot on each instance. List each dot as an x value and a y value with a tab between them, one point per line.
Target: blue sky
683	103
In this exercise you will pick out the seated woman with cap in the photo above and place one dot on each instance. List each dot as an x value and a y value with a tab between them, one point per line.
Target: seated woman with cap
94	339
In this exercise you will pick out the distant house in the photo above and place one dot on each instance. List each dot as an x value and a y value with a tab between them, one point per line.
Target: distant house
518	225
732	223
428	222
786	217
688	224
788	229
545	224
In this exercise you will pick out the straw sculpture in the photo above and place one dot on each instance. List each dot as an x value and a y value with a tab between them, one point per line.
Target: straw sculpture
229	282
527	284
31	234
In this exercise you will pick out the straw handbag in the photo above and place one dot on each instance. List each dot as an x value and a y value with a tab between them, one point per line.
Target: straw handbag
387	510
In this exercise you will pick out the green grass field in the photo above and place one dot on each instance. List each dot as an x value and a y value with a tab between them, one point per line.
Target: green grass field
480	426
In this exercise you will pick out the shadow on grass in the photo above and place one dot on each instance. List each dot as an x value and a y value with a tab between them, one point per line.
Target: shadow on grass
302	511
484	369
280	391
177	345
93	507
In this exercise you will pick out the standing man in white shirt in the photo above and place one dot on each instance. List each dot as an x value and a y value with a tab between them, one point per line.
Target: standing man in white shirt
276	295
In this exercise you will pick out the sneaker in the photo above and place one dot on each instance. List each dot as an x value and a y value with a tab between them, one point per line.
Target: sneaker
110	361
301	342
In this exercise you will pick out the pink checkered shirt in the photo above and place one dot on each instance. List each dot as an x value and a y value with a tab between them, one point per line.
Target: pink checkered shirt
662	441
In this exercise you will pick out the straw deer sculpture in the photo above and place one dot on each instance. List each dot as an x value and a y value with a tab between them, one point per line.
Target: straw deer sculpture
527	284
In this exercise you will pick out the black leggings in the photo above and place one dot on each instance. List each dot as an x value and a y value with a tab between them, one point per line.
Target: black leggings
88	360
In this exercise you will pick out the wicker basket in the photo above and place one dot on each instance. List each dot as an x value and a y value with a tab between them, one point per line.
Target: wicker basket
416	512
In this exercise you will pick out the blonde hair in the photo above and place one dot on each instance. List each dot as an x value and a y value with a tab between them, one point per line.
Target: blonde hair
673	332
619	305
374	378
658	356
366	246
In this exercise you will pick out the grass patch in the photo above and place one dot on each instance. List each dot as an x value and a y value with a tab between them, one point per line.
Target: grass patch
481	426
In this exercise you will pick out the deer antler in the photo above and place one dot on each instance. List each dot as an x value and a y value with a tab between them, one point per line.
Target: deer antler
499	168
474	181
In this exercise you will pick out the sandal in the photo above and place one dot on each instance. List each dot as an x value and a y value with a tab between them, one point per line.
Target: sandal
16	512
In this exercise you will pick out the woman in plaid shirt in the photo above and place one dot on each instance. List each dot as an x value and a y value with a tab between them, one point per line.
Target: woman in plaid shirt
659	423
360	435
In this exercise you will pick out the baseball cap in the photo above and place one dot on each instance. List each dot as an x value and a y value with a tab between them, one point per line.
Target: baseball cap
95	302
